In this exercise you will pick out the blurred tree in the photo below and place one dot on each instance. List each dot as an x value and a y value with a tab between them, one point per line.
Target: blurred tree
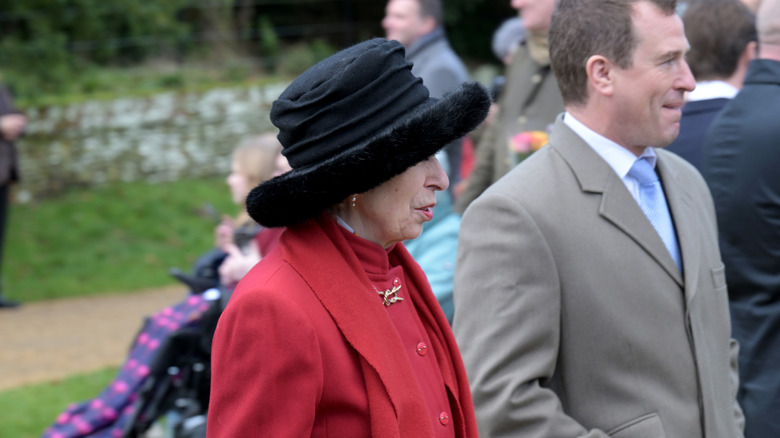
43	43
48	46
470	25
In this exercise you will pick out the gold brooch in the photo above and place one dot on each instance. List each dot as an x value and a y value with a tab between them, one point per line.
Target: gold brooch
390	296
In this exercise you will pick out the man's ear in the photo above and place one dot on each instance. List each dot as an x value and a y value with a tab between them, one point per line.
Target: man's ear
600	73
428	24
750	52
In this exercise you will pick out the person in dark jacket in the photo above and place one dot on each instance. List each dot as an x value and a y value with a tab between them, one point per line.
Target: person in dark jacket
722	35
12	124
742	169
419	26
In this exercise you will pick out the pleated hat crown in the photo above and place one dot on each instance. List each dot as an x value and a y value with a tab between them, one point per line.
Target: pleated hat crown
344	100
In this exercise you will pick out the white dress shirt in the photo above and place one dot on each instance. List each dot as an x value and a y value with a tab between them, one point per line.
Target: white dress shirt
618	157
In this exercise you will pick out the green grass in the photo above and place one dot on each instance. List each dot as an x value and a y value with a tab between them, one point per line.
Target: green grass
117	238
120	237
26	412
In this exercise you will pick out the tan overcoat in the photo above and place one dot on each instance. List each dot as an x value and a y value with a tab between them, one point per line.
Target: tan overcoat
571	316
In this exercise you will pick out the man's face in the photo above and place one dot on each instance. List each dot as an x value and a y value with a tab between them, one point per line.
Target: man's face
403	22
536	14
648	96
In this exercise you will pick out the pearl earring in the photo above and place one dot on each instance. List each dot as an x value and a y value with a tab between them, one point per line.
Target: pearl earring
354	198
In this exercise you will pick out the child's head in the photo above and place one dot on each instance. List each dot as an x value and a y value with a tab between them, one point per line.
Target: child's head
254	161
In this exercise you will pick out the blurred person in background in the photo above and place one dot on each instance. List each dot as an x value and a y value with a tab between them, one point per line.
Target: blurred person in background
505	42
239	241
336	333
242	239
722	35
12	124
419	26
528	105
742	168
507	38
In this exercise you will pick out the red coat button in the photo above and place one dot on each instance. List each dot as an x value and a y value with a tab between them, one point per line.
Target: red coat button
444	418
422	348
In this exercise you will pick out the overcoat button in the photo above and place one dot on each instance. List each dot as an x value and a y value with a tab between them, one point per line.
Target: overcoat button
444	419
422	348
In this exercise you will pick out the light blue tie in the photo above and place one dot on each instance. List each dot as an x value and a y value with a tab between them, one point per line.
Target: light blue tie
653	204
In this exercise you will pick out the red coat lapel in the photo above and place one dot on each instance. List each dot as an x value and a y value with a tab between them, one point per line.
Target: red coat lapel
337	279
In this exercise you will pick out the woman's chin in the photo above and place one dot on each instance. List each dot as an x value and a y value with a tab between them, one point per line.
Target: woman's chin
413	234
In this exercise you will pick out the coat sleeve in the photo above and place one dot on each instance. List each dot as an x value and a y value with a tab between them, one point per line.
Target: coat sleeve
507	322
267	372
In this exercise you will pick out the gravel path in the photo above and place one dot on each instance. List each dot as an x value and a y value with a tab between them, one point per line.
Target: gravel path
49	340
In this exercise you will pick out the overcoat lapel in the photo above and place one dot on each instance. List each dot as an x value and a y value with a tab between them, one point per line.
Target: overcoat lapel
683	213
346	294
617	205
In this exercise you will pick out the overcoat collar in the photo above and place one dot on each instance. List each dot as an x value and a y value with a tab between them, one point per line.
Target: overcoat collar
617	205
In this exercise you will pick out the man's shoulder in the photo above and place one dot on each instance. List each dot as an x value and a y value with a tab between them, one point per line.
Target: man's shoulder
762	70
436	52
537	177
439	67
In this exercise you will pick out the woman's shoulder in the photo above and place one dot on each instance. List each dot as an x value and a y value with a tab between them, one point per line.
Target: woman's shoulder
272	278
275	283
274	294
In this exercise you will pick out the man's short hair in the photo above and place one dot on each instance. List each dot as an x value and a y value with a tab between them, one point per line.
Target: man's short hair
432	8
583	28
718	31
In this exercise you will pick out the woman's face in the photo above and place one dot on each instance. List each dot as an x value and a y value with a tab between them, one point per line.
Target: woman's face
397	210
239	185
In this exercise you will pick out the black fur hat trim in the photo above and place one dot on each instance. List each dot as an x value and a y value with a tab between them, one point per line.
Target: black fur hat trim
305	192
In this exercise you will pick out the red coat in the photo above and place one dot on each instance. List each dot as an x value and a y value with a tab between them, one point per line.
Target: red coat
304	350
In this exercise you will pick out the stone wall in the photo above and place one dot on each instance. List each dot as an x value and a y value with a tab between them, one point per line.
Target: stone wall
157	138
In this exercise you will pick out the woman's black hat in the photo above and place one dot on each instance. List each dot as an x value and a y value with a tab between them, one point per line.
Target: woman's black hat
354	121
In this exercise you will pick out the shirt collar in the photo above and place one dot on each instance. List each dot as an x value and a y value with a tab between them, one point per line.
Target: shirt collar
618	157
707	90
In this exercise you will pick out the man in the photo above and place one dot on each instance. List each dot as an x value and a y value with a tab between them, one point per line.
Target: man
722	34
527	106
742	168
577	314
12	124
418	25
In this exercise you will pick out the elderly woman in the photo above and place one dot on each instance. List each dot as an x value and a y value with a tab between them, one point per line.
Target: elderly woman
336	333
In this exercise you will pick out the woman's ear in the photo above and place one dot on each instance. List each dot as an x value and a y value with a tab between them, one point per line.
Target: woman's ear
600	74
